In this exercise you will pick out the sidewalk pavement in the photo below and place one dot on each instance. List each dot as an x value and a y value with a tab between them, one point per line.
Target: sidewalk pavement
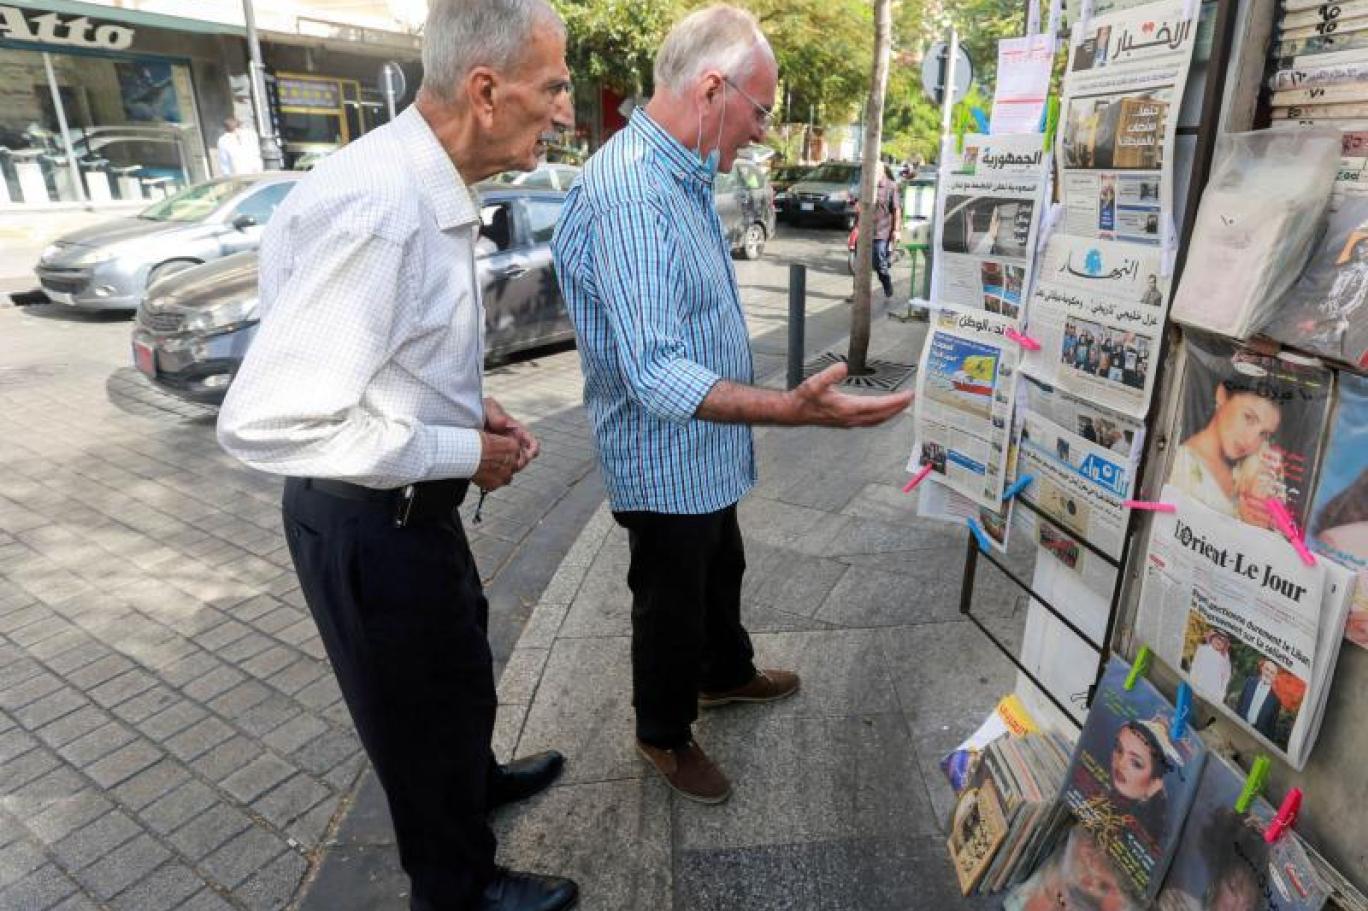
838	802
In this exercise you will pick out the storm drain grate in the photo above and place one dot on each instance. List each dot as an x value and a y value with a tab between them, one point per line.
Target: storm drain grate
887	375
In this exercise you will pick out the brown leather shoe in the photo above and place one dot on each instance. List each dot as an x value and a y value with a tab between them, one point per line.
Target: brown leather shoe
689	771
768	685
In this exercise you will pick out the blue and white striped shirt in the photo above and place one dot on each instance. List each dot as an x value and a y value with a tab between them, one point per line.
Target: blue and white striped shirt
648	280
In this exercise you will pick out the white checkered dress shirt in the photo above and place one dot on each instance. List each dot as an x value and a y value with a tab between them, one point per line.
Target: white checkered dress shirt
367	364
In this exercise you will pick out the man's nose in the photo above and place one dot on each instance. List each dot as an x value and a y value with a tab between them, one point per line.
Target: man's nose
563	114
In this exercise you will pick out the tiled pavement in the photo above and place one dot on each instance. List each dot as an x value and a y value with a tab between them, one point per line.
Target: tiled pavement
170	734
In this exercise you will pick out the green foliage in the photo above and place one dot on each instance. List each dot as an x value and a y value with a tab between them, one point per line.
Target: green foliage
614	42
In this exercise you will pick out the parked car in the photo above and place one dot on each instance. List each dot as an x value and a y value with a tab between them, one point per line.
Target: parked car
745	205
782	177
828	194
110	265
194	328
545	177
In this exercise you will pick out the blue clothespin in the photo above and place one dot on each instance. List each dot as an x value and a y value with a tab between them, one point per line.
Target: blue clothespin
979	534
1181	712
1017	486
980	119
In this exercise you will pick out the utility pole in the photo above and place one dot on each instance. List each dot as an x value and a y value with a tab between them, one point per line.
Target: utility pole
271	156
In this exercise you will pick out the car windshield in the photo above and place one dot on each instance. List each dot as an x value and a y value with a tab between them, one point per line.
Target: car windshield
834	173
194	203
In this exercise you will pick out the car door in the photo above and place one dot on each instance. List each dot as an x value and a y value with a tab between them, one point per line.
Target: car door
259	206
507	276
726	195
542	213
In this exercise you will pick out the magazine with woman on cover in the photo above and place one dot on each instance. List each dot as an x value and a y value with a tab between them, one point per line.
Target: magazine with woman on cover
1338	527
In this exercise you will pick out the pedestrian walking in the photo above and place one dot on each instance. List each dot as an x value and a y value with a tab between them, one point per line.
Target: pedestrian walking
363	387
648	280
887	228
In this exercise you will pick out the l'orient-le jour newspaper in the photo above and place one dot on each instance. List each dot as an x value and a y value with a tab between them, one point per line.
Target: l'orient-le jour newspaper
1132	781
1253	629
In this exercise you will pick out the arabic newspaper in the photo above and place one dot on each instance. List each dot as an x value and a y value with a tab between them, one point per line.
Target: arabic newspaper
1082	471
987	218
1098	311
1251	426
1338	527
1023	83
936	501
1235	609
1122	89
966	386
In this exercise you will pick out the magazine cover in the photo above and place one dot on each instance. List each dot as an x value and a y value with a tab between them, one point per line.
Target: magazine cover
1223	863
1338	528
1131	782
1077	875
1250	428
1323	311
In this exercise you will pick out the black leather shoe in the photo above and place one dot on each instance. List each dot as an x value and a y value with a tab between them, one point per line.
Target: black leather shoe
521	778
510	890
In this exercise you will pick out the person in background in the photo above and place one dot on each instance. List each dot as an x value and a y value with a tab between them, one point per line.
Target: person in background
1210	668
239	150
669	383
364	387
887	227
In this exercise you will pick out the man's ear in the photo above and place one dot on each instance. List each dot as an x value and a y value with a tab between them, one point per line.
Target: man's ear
481	85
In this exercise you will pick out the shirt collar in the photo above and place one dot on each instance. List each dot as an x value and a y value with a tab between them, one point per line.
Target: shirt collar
682	161
451	199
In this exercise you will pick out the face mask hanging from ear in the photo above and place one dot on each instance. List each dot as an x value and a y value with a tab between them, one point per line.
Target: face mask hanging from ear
713	158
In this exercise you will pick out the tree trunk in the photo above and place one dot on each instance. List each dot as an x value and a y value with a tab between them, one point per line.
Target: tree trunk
869	182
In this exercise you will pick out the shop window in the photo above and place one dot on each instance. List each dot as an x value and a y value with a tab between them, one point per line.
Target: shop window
542	215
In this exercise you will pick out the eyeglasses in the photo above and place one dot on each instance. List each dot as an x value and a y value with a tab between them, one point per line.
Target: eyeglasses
766	115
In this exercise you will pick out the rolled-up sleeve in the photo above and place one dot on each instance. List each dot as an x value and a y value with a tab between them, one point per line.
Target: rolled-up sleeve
634	266
297	405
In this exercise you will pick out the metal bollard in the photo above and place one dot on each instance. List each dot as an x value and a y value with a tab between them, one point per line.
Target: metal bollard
797	315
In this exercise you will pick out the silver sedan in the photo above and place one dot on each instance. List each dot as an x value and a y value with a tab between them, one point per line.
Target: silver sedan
109	266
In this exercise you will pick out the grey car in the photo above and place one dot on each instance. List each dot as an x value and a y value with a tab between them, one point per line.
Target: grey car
828	194
194	328
745	206
110	265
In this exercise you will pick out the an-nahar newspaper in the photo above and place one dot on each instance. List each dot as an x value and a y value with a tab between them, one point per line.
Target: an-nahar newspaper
1122	90
987	216
966	385
1254	630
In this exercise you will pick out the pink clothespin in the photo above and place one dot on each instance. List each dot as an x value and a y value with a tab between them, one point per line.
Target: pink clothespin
1287	815
1023	340
1149	506
916	479
1288	526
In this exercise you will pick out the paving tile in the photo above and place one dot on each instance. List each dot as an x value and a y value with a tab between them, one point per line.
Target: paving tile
18	859
40	890
122	867
62	817
151	784
178	807
242	856
124	763
272	886
290	799
162	890
95	839
947	674
207	830
257	777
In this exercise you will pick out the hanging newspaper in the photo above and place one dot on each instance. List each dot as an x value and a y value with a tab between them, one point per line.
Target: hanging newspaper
1254	629
1338	527
1123	87
966	385
1023	84
936	501
987	216
1083	460
1098	311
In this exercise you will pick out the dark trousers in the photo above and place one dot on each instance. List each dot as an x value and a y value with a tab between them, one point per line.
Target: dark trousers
404	620
687	636
882	267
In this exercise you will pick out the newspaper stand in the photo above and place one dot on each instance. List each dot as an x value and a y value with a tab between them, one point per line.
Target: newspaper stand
1205	130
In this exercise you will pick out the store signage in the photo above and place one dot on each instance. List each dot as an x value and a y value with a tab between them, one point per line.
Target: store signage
50	28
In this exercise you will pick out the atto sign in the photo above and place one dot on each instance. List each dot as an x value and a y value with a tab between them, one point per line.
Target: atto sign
51	28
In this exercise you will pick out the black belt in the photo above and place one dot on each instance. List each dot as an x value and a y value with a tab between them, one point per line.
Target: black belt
424	499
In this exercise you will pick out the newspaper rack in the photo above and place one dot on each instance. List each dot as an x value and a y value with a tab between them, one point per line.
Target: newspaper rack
1205	131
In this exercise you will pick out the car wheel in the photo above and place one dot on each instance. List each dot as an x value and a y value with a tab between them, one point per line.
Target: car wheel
753	242
169	268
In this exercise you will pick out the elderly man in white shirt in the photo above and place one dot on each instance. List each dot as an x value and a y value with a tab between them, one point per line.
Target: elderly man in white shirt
363	387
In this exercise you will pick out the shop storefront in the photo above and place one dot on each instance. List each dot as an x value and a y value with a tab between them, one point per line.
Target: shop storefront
98	113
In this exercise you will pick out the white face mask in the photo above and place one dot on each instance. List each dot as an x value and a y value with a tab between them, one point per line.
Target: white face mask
713	158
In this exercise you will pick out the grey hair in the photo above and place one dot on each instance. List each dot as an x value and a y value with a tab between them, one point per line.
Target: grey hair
462	34
719	37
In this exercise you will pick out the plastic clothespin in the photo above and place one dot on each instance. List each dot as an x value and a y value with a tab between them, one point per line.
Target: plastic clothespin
1287	815
1181	712
1288	526
917	479
1149	506
1254	784
1138	669
1017	486
979	534
1051	121
1023	340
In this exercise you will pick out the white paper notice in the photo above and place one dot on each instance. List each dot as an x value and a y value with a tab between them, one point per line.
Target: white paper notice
1023	84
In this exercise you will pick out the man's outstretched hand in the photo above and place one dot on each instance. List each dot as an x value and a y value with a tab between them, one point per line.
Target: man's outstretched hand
817	402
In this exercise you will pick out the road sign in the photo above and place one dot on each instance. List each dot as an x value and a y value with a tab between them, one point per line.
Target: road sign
934	64
393	84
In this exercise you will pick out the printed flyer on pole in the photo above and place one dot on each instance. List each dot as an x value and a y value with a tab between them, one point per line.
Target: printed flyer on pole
1123	87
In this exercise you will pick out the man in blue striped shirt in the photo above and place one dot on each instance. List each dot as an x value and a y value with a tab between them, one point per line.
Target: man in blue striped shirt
648	280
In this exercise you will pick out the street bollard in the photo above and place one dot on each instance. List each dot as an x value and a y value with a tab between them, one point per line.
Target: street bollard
797	314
